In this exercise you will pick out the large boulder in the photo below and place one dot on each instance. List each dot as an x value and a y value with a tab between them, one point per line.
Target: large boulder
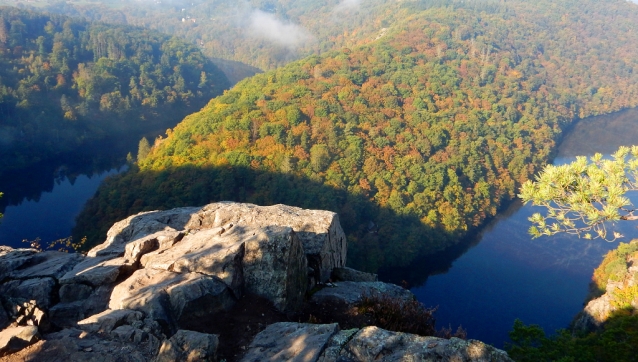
352	292
79	303
97	271
74	345
290	342
108	320
275	267
325	343
320	232
213	252
168	297
351	275
20	291
141	225
16	338
12	259
375	344
189	346
266	261
52	264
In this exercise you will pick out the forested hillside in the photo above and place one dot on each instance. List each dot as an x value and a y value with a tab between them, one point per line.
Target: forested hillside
65	82
263	33
415	139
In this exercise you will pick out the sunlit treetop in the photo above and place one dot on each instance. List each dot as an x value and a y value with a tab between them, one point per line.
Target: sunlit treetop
585	196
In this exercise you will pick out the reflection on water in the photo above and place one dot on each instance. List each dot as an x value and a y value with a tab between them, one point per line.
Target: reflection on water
506	274
44	199
52	215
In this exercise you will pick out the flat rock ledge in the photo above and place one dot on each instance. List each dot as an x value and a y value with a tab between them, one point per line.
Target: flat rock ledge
281	342
135	296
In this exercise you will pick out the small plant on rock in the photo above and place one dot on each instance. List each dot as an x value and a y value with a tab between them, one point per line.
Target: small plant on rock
400	315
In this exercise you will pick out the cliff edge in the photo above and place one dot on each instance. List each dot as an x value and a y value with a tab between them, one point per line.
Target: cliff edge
162	280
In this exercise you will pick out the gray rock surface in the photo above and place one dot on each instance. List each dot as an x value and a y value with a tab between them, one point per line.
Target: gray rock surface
12	259
127	333
23	313
335	345
110	319
103	270
53	264
375	344
275	267
168	297
4	318
351	292
16	338
158	241
290	342
351	275
320	232
74	292
19	291
66	314
142	225
159	272
216	252
189	346
74	345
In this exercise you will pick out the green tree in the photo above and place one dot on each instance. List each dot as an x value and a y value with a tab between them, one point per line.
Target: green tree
583	197
143	149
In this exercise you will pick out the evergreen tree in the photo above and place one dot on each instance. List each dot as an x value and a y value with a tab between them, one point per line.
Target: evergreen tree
143	149
583	197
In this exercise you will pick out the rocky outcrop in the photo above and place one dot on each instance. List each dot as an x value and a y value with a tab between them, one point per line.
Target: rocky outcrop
352	292
621	289
351	275
290	341
320	232
133	297
188	346
170	297
16	338
325	343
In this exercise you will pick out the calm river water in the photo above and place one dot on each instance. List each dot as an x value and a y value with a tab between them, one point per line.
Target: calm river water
506	275
482	285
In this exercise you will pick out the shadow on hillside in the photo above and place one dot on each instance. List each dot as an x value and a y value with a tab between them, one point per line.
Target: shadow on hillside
377	236
235	71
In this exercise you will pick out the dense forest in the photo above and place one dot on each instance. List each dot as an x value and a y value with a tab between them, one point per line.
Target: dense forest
415	138
263	33
65	82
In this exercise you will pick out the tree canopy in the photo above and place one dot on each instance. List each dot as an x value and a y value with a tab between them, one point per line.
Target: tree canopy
438	121
65	82
583	197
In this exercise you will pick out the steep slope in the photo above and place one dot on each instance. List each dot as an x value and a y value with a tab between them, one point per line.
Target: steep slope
414	139
65	82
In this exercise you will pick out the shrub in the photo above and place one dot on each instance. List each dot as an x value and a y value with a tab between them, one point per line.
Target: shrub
399	315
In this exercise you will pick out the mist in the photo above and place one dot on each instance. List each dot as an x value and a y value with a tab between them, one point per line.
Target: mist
350	4
267	26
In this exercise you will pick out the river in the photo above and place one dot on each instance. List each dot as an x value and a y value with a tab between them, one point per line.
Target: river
42	201
503	274
484	284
